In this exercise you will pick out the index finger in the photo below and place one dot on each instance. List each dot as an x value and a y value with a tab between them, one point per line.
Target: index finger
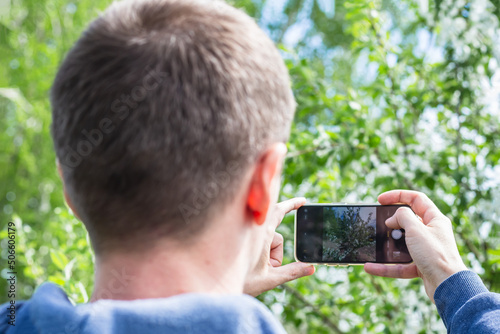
285	207
419	203
393	271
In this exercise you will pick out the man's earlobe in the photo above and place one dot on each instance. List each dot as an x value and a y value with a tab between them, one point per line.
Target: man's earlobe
263	188
256	202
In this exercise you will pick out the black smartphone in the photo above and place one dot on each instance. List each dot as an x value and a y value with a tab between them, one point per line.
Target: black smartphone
348	234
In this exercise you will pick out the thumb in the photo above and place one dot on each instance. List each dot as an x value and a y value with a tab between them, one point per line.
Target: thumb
403	218
292	271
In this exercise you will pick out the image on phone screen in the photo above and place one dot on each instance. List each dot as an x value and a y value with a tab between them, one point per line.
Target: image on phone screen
348	234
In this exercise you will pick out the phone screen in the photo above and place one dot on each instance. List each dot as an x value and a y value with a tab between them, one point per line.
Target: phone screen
348	234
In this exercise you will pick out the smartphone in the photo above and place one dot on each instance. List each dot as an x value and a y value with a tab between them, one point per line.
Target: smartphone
348	234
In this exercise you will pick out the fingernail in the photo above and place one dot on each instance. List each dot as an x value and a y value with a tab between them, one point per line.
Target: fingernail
310	269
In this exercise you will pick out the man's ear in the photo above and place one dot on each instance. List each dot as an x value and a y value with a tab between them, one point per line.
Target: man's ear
66	197
264	185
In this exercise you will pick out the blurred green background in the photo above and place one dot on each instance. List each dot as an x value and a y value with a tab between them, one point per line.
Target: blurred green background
391	94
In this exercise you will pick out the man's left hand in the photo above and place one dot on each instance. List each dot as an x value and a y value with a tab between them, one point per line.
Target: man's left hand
269	271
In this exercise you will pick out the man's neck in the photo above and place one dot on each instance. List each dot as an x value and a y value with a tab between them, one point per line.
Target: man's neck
210	266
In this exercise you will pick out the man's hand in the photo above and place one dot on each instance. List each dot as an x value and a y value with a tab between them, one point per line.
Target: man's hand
269	273
430	241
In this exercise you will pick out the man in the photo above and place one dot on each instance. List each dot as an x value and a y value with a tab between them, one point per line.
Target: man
170	119
169	124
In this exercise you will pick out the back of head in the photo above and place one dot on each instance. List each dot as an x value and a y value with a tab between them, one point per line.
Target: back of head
158	109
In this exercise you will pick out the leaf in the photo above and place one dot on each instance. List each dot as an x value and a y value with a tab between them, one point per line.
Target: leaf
59	259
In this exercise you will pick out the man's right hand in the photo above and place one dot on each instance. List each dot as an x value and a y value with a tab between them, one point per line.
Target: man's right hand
430	241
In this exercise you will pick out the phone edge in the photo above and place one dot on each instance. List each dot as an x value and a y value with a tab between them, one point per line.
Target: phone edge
336	264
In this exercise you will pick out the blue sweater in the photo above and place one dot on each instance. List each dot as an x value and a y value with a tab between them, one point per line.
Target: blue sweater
466	306
50	311
463	302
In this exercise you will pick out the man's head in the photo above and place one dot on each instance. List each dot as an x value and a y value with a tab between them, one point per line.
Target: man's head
158	111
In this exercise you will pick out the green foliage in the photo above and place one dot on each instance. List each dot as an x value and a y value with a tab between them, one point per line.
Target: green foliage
391	94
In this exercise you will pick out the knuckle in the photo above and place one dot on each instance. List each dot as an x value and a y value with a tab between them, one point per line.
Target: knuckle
447	220
401	211
279	237
425	198
420	194
293	273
